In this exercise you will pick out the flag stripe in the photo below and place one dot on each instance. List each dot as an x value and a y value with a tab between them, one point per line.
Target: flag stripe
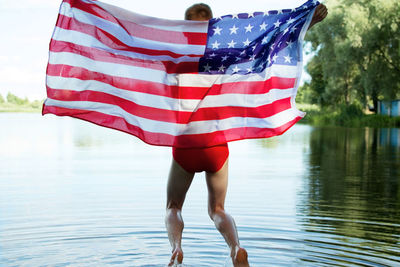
114	36
104	56
159	76
194	140
183	92
181	117
134	52
194	127
91	14
215	100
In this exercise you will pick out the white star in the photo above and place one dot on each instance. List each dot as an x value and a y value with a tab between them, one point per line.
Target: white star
293	10
247	42
274	58
314	2
217	30
305	7
285	31
233	29
288	59
293	29
251	15
266	13
215	45
231	44
243	52
252	58
222	68
264	40
279	45
280	12
207	68
254	47
235	16
213	55
248	28
250	70
290	20
277	23
235	69
224	58
289	44
238	58
263	26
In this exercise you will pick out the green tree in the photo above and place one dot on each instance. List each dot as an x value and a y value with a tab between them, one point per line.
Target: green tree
1	99
16	100
357	52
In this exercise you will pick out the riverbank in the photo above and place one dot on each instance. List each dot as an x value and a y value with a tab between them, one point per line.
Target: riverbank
346	116
31	107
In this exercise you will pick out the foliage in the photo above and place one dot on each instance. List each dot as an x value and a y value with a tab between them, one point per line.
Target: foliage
357	54
17	104
346	115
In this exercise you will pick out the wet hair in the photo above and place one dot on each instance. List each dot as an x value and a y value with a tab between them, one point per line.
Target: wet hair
198	11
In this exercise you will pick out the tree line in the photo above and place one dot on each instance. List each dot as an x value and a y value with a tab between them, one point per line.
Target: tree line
357	55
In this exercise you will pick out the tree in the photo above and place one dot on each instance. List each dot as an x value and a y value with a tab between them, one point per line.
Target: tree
16	100
357	52
1	99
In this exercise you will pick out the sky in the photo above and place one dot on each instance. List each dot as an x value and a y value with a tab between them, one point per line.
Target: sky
26	27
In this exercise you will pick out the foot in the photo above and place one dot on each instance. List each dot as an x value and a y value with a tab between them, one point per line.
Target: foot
177	257
239	259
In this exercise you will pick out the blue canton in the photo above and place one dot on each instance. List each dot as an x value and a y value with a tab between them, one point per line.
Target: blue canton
250	42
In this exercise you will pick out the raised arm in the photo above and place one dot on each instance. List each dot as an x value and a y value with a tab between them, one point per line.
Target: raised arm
320	13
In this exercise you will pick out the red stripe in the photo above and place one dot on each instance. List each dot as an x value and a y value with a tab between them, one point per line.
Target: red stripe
181	117
259	87
141	31
104	56
110	40
196	140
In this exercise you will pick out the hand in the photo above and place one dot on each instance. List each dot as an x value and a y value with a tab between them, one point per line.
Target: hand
319	14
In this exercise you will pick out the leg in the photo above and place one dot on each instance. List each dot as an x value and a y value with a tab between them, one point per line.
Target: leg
217	184
178	184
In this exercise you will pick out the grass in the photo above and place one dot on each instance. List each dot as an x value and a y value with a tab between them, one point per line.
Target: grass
347	116
35	106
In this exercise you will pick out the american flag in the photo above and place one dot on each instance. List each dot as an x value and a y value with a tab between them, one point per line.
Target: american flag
174	82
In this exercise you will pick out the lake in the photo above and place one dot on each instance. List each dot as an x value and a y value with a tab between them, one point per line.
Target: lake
76	194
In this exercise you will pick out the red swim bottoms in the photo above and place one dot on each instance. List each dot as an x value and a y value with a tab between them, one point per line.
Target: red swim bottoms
209	159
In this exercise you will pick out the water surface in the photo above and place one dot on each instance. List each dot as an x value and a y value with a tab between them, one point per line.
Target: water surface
76	194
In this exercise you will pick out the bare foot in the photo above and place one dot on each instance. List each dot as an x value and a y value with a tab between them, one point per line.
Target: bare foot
240	259
177	257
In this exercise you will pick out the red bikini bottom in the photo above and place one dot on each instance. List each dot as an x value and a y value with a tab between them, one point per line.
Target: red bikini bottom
209	159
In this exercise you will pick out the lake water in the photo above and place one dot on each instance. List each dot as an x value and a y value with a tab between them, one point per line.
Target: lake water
76	194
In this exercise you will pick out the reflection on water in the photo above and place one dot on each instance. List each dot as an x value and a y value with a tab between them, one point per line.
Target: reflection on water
352	191
75	194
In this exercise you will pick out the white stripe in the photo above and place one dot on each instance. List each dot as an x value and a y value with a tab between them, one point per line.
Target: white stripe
159	76
89	41
198	127
205	80
167	103
112	69
118	32
162	24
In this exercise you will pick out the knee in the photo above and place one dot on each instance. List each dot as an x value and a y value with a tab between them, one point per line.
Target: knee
174	205
216	212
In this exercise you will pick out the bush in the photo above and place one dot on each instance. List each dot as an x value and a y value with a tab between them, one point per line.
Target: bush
16	100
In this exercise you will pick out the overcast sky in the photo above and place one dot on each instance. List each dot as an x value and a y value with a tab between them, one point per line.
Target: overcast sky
26	27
